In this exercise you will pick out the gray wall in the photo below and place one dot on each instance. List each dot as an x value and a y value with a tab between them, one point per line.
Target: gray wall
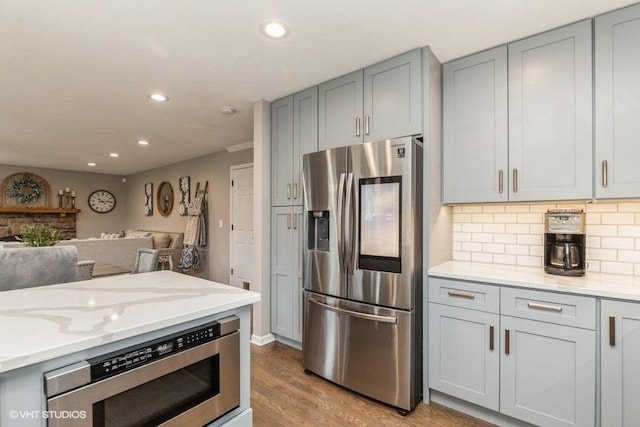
214	168
89	223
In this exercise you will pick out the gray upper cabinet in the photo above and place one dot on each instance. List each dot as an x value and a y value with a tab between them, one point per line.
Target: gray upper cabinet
475	134
340	111
393	98
617	96
550	115
382	101
294	132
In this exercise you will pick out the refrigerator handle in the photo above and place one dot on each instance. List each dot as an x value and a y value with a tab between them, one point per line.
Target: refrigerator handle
339	221
366	316
349	225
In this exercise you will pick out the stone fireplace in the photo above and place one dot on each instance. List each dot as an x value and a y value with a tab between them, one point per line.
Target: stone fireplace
10	223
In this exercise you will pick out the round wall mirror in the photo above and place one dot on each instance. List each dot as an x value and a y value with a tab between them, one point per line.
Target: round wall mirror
165	198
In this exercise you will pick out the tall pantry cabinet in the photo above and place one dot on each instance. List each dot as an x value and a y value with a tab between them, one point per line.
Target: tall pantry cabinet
294	133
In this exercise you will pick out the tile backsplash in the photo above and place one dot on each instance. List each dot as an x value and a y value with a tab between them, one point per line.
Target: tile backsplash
514	234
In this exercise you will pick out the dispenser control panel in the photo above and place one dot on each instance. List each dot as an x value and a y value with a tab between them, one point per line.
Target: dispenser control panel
567	221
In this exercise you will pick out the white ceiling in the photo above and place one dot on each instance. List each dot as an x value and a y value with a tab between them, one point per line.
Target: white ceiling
75	74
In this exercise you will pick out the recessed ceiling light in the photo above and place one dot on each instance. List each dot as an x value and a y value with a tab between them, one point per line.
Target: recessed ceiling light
91	164
274	29
143	142
227	110
114	154
158	97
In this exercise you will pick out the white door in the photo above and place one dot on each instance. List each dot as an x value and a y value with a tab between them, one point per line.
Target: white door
241	254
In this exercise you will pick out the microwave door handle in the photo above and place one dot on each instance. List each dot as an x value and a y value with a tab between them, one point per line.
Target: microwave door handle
339	222
349	228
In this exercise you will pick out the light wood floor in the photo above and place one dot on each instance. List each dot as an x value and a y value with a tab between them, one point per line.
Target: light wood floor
283	395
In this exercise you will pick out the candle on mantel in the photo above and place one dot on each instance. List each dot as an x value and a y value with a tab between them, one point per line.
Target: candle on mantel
73	193
60	192
67	189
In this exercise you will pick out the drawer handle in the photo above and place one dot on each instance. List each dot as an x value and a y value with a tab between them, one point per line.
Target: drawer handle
506	342
612	331
461	294
491	343
545	307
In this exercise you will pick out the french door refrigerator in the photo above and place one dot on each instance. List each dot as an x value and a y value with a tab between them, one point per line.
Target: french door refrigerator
363	269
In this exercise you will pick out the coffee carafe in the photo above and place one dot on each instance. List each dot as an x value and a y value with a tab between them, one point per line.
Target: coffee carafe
564	242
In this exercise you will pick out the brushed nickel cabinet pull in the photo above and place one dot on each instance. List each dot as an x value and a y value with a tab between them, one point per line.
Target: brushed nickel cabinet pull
366	124
506	342
515	180
288	221
288	191
295	221
295	190
612	331
500	181
461	294
491	337
357	125
605	172
544	307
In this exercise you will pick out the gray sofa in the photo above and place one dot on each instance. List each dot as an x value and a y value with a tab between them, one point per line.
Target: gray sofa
30	267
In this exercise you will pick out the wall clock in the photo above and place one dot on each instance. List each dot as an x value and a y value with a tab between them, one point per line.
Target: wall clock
102	201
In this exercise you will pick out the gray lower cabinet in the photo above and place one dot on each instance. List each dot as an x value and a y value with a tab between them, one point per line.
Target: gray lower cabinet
617	103
620	356
286	272
294	133
382	101
475	134
527	354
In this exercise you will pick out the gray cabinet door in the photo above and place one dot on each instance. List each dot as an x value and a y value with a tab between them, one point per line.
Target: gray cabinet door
282	151
340	118
620	353
547	373
305	135
464	357
286	272
617	95
475	134
550	115
393	97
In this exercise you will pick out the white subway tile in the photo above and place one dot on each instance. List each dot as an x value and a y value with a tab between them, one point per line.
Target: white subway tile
517	228
493	228
629	256
629	230
472	247
507	238
530	261
536	228
629	207
456	246
517	208
536	250
603	254
529	239
603	230
457	209
602	207
638	243
457	226
593	265
530	218
493	248
481	257
636	269
506	218
472	228
541	208
593	242
517	249
626	218
638	218
461	217
493	209
472	209
574	205
618	243
461	237
482	237
504	259
461	256
593	218
482	217
616	267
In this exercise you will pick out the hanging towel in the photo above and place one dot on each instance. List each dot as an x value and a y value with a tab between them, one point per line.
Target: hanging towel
196	232
190	259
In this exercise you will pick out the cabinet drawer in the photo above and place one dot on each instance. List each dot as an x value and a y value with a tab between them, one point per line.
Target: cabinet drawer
471	295
562	309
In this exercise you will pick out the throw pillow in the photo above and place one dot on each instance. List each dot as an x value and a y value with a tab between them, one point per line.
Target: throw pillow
111	235
161	240
136	233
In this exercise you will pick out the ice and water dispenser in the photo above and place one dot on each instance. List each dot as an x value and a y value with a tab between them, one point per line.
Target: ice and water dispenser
319	231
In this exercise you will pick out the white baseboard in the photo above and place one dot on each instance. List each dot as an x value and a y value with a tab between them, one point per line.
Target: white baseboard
262	340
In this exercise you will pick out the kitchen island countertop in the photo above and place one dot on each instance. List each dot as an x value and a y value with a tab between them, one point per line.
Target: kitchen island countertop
591	284
42	323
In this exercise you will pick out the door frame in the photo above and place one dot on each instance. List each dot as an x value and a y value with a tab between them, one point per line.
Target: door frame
232	169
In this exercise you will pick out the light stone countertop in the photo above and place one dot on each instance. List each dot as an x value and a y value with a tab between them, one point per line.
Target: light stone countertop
42	323
591	284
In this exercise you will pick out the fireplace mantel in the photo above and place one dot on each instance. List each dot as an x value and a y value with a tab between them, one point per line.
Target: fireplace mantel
62	212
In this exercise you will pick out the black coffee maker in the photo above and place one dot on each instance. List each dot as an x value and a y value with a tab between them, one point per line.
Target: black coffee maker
564	242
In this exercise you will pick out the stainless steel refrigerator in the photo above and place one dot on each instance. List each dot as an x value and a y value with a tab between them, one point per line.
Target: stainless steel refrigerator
363	269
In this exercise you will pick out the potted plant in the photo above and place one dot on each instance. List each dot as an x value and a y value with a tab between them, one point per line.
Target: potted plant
38	235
